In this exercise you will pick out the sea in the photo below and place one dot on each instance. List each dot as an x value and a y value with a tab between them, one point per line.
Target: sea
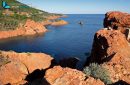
61	42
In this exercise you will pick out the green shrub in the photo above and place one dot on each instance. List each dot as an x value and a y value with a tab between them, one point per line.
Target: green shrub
98	72
87	71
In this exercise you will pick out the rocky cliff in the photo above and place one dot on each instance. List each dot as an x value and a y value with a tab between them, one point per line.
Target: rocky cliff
119	21
111	48
116	19
27	21
14	67
29	28
36	69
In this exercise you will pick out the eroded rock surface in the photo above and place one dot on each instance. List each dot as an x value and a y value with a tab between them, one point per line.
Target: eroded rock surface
118	21
112	50
18	65
66	76
29	28
59	23
106	44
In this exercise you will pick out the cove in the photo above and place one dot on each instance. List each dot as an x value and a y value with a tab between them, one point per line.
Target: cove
72	40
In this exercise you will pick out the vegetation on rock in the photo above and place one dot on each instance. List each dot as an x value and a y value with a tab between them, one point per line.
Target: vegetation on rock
19	13
98	72
3	60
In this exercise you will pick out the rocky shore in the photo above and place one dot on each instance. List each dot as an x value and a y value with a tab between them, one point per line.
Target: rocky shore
59	23
118	21
110	51
37	69
31	28
111	47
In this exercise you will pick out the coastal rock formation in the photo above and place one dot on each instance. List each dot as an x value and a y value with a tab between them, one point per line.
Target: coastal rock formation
54	22
118	21
29	28
14	67
32	27
106	44
59	23
46	22
112	51
66	76
35	69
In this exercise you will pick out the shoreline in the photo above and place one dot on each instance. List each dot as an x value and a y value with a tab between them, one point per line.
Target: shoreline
31	28
109	57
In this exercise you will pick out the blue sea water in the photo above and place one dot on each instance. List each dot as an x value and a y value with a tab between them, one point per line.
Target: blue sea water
72	40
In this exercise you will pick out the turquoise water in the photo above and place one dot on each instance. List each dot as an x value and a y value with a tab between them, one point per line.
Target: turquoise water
72	40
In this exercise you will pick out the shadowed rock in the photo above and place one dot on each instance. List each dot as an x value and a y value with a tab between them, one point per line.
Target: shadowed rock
112	51
69	62
118	21
21	65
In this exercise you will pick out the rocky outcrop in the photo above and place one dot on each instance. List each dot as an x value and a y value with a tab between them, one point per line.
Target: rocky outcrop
15	67
111	50
107	43
59	23
66	76
32	27
46	22
29	28
118	21
55	22
35	69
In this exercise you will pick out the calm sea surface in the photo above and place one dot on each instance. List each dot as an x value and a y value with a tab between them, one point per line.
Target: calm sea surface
72	40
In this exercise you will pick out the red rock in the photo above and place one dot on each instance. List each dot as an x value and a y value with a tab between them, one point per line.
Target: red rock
12	72
106	44
30	28
112	51
66	76
53	17
20	65
59	23
116	18
119	21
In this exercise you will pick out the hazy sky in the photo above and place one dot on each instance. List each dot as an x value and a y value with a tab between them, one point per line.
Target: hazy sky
80	6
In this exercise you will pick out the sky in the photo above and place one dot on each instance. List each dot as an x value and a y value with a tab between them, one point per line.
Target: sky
80	6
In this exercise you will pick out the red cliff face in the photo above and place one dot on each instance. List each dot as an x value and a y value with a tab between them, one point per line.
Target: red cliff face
118	21
106	44
30	28
112	51
111	48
